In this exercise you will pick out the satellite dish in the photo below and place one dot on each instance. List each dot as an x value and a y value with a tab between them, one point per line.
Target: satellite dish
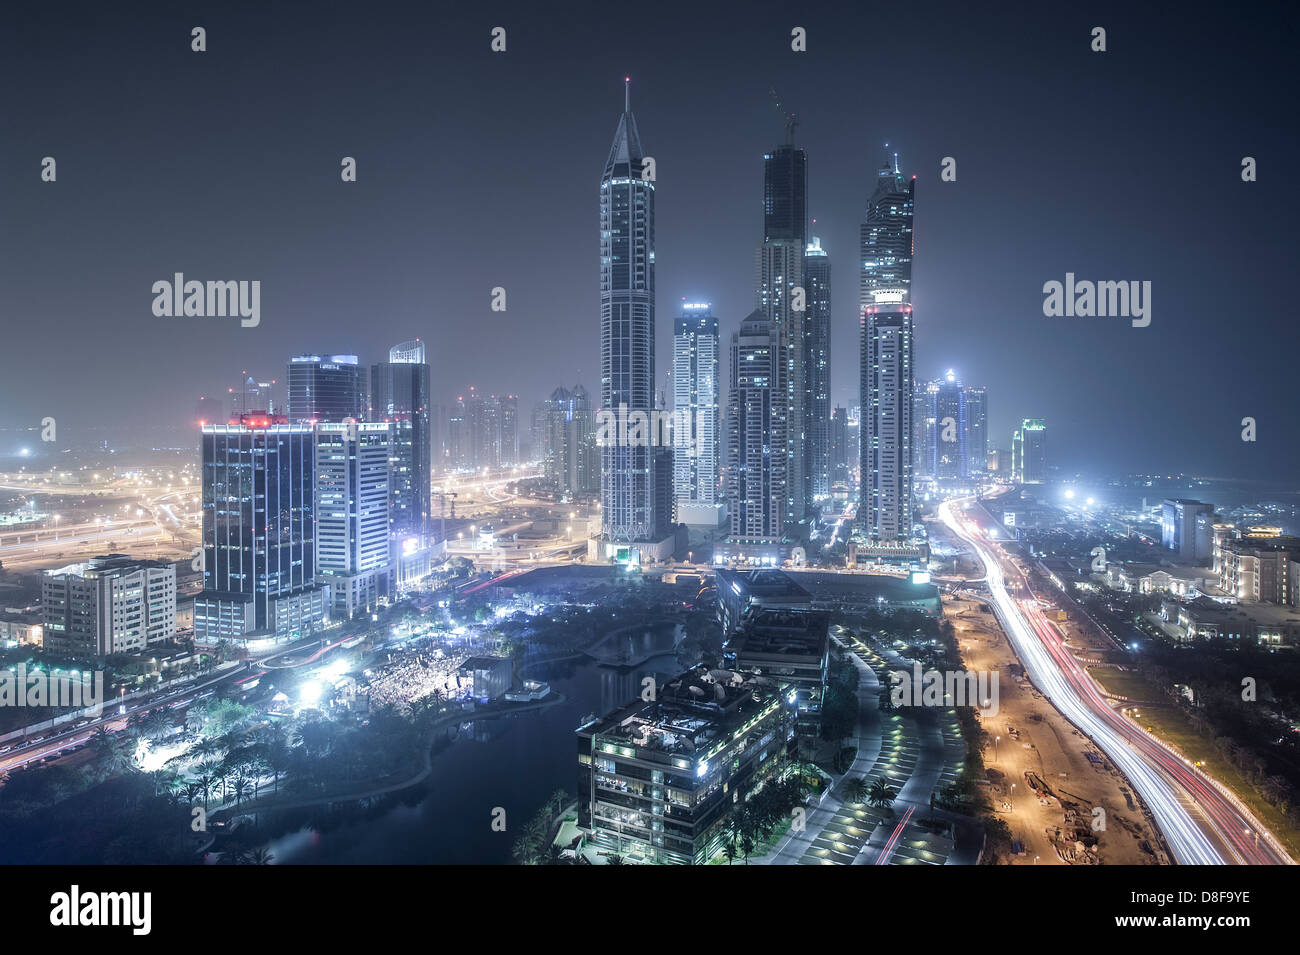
799	557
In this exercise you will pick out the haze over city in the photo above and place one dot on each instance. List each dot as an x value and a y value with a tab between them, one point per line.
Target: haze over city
647	435
477	171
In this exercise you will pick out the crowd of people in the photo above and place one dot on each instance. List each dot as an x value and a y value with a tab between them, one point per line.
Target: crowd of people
408	676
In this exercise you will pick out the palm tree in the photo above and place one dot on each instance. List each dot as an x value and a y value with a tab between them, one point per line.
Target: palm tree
242	789
855	789
614	859
261	856
881	795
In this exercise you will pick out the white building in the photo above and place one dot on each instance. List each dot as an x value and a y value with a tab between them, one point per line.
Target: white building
353	552
109	604
695	400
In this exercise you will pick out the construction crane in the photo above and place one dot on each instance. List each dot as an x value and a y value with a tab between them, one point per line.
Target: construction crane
791	119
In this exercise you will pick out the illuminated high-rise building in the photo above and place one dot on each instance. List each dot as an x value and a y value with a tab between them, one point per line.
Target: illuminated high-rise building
887	360
1029	452
399	392
886	240
817	370
782	298
756	427
695	400
352	498
627	337
325	388
259	531
976	461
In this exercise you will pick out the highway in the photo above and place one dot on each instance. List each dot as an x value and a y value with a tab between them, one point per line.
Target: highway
1202	823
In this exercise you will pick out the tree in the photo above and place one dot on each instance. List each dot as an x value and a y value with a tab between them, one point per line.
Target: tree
855	789
881	795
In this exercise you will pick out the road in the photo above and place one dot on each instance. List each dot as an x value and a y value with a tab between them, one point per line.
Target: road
1201	822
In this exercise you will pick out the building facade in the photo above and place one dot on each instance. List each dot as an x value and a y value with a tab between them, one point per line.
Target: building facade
1029	452
627	332
885	511
817	365
110	604
399	392
353	542
756	423
658	780
259	531
325	388
696	462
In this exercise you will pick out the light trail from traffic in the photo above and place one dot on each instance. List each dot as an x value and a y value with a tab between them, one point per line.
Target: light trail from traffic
1164	780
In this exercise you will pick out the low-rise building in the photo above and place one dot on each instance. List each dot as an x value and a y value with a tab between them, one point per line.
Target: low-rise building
1207	619
19	626
109	604
486	678
658	780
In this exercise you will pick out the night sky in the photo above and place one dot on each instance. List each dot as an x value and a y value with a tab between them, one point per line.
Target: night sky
479	169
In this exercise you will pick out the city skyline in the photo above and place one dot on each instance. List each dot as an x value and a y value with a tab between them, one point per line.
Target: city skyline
324	255
742	435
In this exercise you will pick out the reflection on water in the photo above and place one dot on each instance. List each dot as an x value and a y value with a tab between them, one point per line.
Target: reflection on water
513	762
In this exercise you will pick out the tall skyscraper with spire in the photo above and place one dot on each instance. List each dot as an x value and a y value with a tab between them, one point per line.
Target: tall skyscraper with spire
781	298
886	236
627	334
887	361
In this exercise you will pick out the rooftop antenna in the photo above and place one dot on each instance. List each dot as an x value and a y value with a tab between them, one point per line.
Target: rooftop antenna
627	94
791	120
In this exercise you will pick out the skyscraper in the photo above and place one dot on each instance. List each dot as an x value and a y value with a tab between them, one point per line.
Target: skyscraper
352	498
886	236
885	512
325	388
887	361
839	445
1186	528
259	541
949	429
627	333
695	399
781	296
1029	452
566	433
977	431
817	369
756	427
399	392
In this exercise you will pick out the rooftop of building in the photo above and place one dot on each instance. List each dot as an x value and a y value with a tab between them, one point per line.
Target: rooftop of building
483	663
890	587
783	633
763	585
104	564
1279	543
692	711
1207	610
